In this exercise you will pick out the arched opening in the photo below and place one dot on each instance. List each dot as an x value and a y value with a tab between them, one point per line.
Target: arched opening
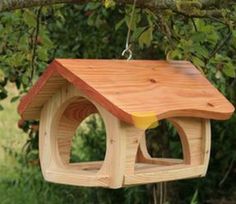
89	141
81	136
164	141
160	146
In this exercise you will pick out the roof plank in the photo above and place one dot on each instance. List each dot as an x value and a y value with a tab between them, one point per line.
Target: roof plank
125	88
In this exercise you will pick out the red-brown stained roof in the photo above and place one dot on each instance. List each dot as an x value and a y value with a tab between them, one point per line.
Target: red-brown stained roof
168	89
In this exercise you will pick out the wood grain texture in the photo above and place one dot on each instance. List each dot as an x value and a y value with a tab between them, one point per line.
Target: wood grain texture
59	119
168	89
78	109
165	173
123	164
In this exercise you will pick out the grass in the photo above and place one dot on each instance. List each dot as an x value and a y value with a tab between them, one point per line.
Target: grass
10	135
18	184
23	182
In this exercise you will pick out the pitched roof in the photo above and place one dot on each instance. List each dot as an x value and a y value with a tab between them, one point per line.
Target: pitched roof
167	89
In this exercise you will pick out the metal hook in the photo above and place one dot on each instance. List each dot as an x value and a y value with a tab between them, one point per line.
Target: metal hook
129	51
128	46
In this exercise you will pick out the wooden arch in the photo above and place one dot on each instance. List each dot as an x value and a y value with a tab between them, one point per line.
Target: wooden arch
123	165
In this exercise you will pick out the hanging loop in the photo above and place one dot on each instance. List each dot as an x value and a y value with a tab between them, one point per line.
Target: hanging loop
127	49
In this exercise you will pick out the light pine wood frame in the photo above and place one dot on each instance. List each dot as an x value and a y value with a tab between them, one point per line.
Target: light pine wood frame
127	161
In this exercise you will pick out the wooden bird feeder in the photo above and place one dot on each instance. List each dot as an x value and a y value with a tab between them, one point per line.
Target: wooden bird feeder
130	96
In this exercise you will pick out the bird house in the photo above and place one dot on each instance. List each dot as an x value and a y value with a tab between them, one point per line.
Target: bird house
130	96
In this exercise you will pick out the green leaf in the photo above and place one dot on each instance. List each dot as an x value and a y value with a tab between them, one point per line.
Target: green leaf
92	6
3	95
14	99
91	19
1	108
137	32
25	80
174	55
109	3
29	18
234	39
42	54
23	43
146	37
194	198
218	74
197	62
199	50
136	19
17	59
45	40
2	75
229	70
119	24
198	37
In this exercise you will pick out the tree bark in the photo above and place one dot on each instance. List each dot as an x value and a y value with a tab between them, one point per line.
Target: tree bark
194	8
8	5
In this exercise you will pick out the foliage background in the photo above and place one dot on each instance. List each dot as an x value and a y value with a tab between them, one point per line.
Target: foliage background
32	38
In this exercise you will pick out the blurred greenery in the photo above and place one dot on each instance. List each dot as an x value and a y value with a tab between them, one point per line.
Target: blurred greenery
32	38
10	134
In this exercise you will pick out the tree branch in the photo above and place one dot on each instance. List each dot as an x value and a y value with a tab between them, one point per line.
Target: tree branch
8	5
34	49
192	8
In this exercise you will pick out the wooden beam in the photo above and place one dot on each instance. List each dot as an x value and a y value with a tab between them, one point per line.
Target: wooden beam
198	8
